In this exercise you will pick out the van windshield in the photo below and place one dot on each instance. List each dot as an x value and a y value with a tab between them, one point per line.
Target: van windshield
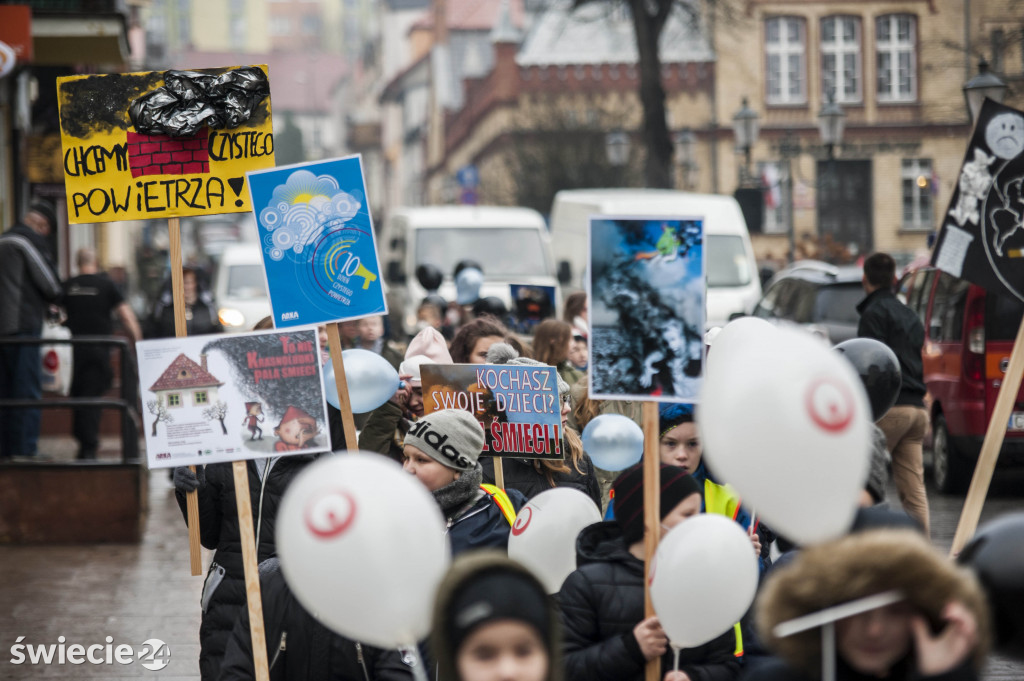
727	261
503	252
246	281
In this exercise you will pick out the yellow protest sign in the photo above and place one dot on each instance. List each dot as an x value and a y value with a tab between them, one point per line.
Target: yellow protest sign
163	144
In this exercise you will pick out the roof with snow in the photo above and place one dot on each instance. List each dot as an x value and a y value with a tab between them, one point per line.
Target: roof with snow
182	374
602	33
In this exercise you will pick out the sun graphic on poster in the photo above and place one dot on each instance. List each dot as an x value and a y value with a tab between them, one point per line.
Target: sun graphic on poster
300	208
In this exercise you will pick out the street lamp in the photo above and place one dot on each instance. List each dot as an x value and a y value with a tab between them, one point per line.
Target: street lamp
983	85
616	148
686	143
831	125
746	126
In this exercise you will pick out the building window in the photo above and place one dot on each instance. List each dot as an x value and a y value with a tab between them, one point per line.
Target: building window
896	58
173	400
238	26
280	26
310	24
785	59
998	41
840	58
199	397
775	183
918	194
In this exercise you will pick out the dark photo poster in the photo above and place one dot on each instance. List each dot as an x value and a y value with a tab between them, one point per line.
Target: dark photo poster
982	235
646	289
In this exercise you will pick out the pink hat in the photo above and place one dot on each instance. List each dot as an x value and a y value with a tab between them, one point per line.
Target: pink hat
427	347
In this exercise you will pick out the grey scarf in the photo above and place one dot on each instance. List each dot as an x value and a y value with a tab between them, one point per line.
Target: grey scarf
458	492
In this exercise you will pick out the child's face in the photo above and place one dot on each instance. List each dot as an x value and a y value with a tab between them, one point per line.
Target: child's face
687	508
370	329
430	472
295	432
578	354
503	650
872	642
681	447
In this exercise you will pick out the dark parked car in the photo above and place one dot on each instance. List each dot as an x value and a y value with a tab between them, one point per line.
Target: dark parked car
969	337
816	295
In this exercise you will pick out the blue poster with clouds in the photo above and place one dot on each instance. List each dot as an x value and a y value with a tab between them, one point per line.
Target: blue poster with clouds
316	234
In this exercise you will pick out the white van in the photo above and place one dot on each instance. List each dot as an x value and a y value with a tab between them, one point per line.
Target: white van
240	287
510	244
733	283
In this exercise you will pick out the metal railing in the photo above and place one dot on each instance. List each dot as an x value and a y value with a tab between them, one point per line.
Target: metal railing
127	403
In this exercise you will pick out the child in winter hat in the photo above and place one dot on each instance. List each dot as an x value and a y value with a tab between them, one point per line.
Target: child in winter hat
442	450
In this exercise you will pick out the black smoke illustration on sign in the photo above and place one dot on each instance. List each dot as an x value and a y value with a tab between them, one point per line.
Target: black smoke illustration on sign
191	100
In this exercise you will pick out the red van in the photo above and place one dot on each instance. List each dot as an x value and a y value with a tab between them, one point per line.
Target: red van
969	335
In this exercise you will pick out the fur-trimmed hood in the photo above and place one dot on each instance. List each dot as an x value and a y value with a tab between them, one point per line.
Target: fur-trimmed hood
466	568
857	566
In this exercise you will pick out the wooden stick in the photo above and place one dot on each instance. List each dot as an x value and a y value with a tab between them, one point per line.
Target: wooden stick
499	472
181	330
991	446
251	571
652	513
348	424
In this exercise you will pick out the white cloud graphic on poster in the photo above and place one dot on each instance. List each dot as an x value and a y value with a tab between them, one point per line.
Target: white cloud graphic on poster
301	207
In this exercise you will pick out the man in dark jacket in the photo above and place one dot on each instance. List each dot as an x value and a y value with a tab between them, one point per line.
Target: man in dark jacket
883	317
301	649
602	601
223	597
28	282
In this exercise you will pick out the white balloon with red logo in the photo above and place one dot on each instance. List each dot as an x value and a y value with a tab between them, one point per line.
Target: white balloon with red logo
363	547
543	537
703	578
789	427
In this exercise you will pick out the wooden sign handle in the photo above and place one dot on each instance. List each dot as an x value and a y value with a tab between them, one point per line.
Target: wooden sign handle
251	570
348	424
499	472
652	513
181	330
994	436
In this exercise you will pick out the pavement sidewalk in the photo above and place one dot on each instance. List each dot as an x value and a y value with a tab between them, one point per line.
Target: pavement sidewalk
86	593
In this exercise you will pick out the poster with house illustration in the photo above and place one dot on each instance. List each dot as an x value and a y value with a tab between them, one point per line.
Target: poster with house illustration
225	398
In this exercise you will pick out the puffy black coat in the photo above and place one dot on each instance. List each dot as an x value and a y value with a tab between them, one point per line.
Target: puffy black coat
482	525
603	600
522	475
883	317
218	530
301	649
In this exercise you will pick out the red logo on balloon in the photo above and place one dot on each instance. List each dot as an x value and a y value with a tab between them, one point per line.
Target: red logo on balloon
330	514
830	405
523	521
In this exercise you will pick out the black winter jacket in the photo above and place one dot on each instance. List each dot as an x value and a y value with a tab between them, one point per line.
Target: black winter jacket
603	600
481	524
28	281
218	530
883	317
520	474
301	649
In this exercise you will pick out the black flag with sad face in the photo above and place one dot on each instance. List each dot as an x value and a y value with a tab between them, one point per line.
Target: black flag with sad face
982	234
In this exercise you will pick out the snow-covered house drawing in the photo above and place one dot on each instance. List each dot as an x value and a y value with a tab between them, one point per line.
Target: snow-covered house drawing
185	384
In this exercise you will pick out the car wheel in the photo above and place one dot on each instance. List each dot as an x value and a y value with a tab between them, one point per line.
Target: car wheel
949	469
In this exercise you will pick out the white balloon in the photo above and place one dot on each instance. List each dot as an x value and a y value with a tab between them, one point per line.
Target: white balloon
363	547
789	427
543	537
736	338
703	579
371	379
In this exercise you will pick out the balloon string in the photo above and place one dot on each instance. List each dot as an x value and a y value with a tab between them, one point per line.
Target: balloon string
419	669
675	655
